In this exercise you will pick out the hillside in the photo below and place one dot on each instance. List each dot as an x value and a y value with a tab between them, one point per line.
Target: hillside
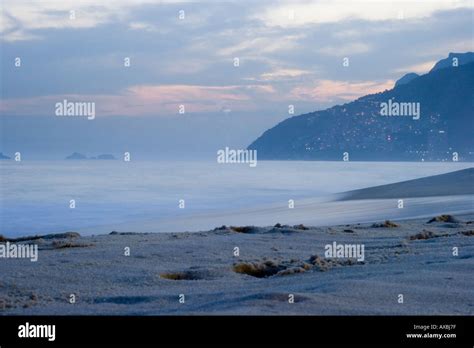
445	124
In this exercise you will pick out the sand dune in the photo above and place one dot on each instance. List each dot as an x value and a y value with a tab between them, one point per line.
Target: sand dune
460	182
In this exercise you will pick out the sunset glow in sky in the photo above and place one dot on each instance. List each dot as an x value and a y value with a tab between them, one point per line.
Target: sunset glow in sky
290	52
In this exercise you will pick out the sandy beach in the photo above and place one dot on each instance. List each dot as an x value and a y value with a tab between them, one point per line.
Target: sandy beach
460	182
412	257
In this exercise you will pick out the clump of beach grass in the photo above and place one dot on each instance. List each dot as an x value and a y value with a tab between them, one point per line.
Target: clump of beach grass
467	233
243	229
444	218
423	235
300	227
179	276
259	269
319	262
385	224
64	244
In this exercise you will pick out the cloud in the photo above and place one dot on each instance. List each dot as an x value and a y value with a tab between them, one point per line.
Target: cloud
284	74
302	13
420	68
269	44
33	15
142	26
345	49
190	61
150	100
334	91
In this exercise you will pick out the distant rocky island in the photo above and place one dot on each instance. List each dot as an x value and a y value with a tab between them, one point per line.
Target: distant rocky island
80	156
4	157
440	128
76	156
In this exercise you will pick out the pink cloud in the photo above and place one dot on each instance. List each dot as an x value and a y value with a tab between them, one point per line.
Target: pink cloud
151	100
164	100
333	91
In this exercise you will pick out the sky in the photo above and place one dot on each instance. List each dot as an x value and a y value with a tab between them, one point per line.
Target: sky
185	53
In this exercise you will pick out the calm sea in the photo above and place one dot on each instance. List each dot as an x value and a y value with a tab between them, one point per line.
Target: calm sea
145	196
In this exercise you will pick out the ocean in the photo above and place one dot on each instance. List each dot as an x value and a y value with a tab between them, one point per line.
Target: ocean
167	196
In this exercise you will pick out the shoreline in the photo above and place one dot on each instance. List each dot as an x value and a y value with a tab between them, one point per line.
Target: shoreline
329	214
